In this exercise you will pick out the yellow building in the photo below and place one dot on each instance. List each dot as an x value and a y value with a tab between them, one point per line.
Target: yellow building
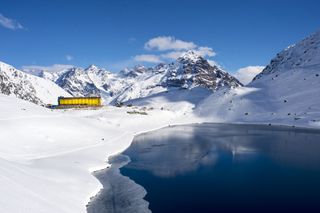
79	101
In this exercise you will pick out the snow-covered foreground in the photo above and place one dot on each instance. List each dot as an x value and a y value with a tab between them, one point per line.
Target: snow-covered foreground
46	157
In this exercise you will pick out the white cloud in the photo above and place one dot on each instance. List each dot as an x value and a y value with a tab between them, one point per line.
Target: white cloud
246	74
69	57
172	55
52	68
163	43
205	51
173	48
148	58
10	23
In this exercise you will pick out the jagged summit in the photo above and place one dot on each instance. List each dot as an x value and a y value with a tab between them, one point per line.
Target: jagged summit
192	70
135	71
92	67
190	56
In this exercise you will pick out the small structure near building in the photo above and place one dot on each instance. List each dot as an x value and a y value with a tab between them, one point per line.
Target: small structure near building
69	102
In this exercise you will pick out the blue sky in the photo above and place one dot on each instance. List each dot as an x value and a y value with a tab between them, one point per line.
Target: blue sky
115	34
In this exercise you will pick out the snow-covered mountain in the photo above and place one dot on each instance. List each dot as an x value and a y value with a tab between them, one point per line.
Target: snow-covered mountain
91	81
28	87
191	70
187	72
286	91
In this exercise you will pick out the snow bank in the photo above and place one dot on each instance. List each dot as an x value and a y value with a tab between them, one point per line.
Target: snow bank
46	157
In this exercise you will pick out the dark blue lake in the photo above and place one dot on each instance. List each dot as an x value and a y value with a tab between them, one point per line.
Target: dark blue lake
215	168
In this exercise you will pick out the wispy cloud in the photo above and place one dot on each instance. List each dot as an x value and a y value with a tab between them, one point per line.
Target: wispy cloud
52	68
246	74
10	23
120	65
69	57
148	58
172	55
131	40
205	51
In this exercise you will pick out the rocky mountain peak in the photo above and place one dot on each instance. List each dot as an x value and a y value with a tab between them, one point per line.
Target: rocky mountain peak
135	71
191	70
190	56
92	67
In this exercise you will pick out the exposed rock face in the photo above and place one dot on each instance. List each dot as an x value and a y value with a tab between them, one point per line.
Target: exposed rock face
78	83
22	89
191	70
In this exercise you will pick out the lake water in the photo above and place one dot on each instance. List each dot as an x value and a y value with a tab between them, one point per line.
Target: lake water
214	168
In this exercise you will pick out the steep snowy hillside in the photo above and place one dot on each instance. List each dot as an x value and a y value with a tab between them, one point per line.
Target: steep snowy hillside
28	87
303	55
286	91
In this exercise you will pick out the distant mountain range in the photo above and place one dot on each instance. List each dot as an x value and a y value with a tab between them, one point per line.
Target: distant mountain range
187	72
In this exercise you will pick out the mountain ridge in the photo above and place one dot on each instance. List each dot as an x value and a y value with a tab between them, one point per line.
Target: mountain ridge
190	70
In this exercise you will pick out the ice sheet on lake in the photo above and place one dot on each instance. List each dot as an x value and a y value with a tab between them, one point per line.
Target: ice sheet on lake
119	194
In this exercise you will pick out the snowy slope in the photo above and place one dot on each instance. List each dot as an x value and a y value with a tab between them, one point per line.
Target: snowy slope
286	91
28	87
46	165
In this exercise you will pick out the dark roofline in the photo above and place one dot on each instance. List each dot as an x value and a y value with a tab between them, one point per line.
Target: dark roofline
78	97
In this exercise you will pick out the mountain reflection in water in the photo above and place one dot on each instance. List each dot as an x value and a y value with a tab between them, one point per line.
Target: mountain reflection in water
180	149
214	168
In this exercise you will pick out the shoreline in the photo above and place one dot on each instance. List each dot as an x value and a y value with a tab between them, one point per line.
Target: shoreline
110	164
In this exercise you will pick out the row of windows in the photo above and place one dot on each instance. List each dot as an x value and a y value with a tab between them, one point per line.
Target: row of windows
80	101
